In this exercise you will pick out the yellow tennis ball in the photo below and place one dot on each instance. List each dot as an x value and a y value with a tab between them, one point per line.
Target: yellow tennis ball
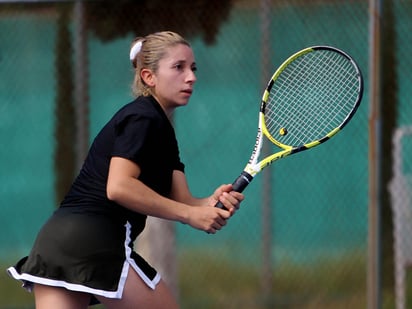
283	131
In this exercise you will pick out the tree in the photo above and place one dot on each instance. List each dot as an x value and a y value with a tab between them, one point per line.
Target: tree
109	20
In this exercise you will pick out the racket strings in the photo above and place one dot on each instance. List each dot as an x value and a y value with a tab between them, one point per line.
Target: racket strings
313	95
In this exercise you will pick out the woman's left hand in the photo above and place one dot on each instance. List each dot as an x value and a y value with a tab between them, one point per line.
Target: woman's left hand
229	198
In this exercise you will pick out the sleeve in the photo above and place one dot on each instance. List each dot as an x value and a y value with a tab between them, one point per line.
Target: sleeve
180	166
131	135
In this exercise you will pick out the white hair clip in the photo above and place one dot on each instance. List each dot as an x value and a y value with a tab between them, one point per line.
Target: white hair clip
135	50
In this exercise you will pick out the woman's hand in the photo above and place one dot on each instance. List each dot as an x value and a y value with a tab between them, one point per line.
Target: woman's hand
208	219
229	198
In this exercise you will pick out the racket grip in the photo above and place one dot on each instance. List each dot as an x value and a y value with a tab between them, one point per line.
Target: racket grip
239	185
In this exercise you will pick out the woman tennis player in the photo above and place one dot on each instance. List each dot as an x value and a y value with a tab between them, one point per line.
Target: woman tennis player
84	253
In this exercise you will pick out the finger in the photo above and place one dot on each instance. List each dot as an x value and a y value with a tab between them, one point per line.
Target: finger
228	187
236	199
232	198
238	196
219	225
211	231
225	188
221	222
223	214
229	201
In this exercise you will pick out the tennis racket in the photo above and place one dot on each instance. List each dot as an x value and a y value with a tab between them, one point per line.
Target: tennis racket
308	100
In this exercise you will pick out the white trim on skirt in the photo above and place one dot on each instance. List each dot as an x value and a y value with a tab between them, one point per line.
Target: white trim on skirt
28	280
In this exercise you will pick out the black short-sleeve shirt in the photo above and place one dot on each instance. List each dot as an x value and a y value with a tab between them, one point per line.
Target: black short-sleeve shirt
140	132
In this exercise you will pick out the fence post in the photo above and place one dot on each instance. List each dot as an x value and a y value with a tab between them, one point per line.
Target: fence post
266	215
374	208
81	84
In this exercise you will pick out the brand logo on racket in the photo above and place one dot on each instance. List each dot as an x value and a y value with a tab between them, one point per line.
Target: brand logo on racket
256	148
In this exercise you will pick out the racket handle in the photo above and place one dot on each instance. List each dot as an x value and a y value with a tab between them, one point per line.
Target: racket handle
238	185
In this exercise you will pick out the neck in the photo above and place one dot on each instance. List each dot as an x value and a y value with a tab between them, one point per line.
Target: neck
168	110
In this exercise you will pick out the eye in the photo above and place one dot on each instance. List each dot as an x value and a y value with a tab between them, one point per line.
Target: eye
194	68
178	66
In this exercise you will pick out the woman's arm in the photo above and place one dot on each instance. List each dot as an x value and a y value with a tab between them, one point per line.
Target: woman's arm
180	192
124	188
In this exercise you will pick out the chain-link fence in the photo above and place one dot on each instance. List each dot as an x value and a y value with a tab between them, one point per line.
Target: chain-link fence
299	242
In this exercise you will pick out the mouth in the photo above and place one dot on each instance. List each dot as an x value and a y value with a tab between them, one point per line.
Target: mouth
188	91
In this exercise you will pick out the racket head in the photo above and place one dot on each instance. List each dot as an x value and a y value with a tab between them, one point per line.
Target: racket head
310	98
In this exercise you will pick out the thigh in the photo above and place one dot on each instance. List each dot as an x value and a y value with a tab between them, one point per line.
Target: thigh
137	294
46	297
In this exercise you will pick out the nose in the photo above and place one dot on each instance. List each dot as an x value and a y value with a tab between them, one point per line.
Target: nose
191	77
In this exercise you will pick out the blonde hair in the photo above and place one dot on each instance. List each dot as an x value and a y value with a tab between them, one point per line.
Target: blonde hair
145	53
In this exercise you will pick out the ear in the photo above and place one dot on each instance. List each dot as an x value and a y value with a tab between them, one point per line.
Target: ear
148	77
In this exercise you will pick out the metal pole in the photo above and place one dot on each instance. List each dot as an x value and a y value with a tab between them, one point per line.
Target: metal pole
81	84
267	276
374	250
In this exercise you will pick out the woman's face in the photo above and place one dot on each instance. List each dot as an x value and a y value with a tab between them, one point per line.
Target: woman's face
173	82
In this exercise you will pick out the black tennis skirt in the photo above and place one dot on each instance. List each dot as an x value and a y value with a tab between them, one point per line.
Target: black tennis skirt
85	252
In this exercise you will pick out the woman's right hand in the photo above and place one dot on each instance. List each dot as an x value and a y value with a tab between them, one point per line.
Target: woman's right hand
208	219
